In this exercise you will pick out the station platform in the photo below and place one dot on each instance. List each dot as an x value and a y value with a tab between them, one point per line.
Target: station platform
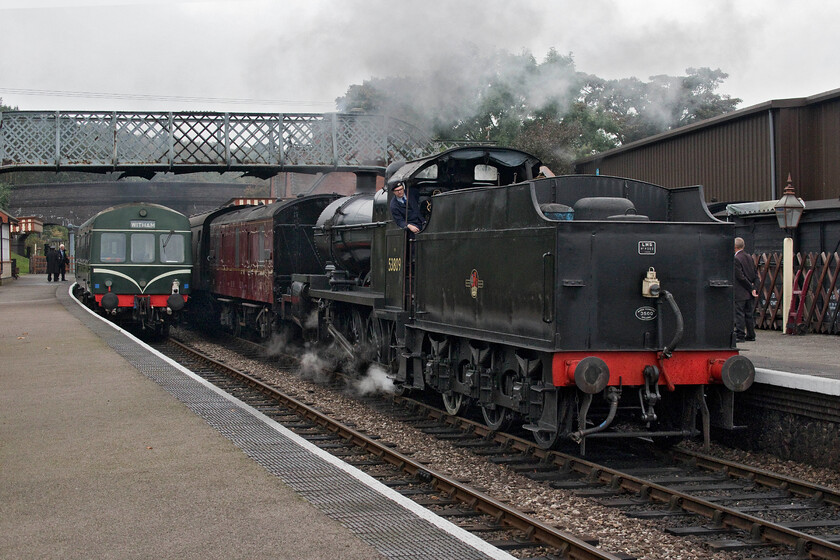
108	450
809	362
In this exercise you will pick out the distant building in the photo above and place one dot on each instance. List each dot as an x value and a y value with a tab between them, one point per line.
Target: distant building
7	221
28	224
742	156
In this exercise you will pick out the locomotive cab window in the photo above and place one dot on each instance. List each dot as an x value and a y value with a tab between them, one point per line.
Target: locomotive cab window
171	248
112	247
142	247
486	174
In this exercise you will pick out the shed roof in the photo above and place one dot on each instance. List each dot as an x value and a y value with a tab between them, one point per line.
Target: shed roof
740	113
7	218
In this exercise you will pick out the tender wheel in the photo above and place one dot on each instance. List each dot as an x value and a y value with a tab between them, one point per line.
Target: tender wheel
550	439
547	440
497	419
453	403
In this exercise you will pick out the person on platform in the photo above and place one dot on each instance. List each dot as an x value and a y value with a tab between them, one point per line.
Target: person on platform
746	281
63	261
52	263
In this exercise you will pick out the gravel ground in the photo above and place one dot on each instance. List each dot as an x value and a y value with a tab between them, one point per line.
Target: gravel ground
580	516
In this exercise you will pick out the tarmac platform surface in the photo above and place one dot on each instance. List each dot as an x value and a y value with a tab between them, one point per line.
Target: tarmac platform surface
809	362
98	460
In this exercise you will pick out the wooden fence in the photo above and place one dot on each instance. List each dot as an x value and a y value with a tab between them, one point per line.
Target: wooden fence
816	293
38	265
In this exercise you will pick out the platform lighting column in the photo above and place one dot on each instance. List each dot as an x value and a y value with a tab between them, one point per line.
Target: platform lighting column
788	213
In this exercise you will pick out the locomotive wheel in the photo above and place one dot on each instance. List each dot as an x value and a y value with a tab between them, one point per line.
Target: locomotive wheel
392	356
356	332
162	331
497	419
373	337
453	402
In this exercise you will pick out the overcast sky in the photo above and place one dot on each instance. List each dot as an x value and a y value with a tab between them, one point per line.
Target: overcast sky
299	55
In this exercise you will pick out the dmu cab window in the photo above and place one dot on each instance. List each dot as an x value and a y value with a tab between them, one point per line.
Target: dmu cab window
142	247
112	247
171	248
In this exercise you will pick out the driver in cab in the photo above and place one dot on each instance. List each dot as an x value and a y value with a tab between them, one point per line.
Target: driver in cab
405	212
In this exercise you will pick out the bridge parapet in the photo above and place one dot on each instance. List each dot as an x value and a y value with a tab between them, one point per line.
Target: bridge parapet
261	144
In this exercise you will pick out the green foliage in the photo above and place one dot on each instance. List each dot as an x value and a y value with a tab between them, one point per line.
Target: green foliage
547	108
6	107
22	263
5	194
53	235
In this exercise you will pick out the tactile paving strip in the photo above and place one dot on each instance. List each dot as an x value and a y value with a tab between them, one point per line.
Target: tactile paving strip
341	492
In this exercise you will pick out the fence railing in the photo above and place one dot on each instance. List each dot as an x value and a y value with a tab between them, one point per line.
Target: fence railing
38	265
816	293
205	141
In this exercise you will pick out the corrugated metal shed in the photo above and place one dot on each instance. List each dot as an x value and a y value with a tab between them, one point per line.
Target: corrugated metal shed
742	156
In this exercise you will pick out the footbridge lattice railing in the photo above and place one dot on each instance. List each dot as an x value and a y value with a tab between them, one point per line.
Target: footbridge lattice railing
262	144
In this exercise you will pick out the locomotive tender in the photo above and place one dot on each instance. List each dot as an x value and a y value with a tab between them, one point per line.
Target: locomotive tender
570	304
133	264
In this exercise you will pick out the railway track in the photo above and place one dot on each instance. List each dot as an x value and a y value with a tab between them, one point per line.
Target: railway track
498	523
733	507
741	507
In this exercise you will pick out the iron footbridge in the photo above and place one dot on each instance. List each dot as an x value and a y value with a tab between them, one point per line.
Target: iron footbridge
257	144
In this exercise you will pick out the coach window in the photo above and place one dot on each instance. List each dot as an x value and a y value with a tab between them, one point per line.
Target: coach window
171	248
142	247
112	247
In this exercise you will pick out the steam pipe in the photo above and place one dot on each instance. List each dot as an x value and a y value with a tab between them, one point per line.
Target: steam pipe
668	350
612	396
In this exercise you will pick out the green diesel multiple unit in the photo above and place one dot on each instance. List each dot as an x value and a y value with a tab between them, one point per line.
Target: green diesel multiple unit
133	263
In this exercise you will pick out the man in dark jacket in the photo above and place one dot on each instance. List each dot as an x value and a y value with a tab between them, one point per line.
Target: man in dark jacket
52	263
63	261
746	280
405	211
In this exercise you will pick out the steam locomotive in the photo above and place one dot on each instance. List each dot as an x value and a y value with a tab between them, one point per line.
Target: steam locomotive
571	305
133	264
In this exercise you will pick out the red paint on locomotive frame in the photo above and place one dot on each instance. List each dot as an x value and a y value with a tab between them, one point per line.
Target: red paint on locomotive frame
626	368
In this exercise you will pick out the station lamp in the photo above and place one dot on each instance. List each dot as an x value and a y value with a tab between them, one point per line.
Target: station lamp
788	213
789	209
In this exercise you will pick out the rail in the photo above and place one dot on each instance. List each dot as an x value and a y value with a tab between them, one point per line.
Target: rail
504	515
721	516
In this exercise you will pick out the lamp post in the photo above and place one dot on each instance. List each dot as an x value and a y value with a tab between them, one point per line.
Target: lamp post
788	212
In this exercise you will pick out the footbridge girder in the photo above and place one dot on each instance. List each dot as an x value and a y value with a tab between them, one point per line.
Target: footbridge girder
257	144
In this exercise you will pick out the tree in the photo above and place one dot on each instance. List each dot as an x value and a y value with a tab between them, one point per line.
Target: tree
4	108
5	188
5	194
548	108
